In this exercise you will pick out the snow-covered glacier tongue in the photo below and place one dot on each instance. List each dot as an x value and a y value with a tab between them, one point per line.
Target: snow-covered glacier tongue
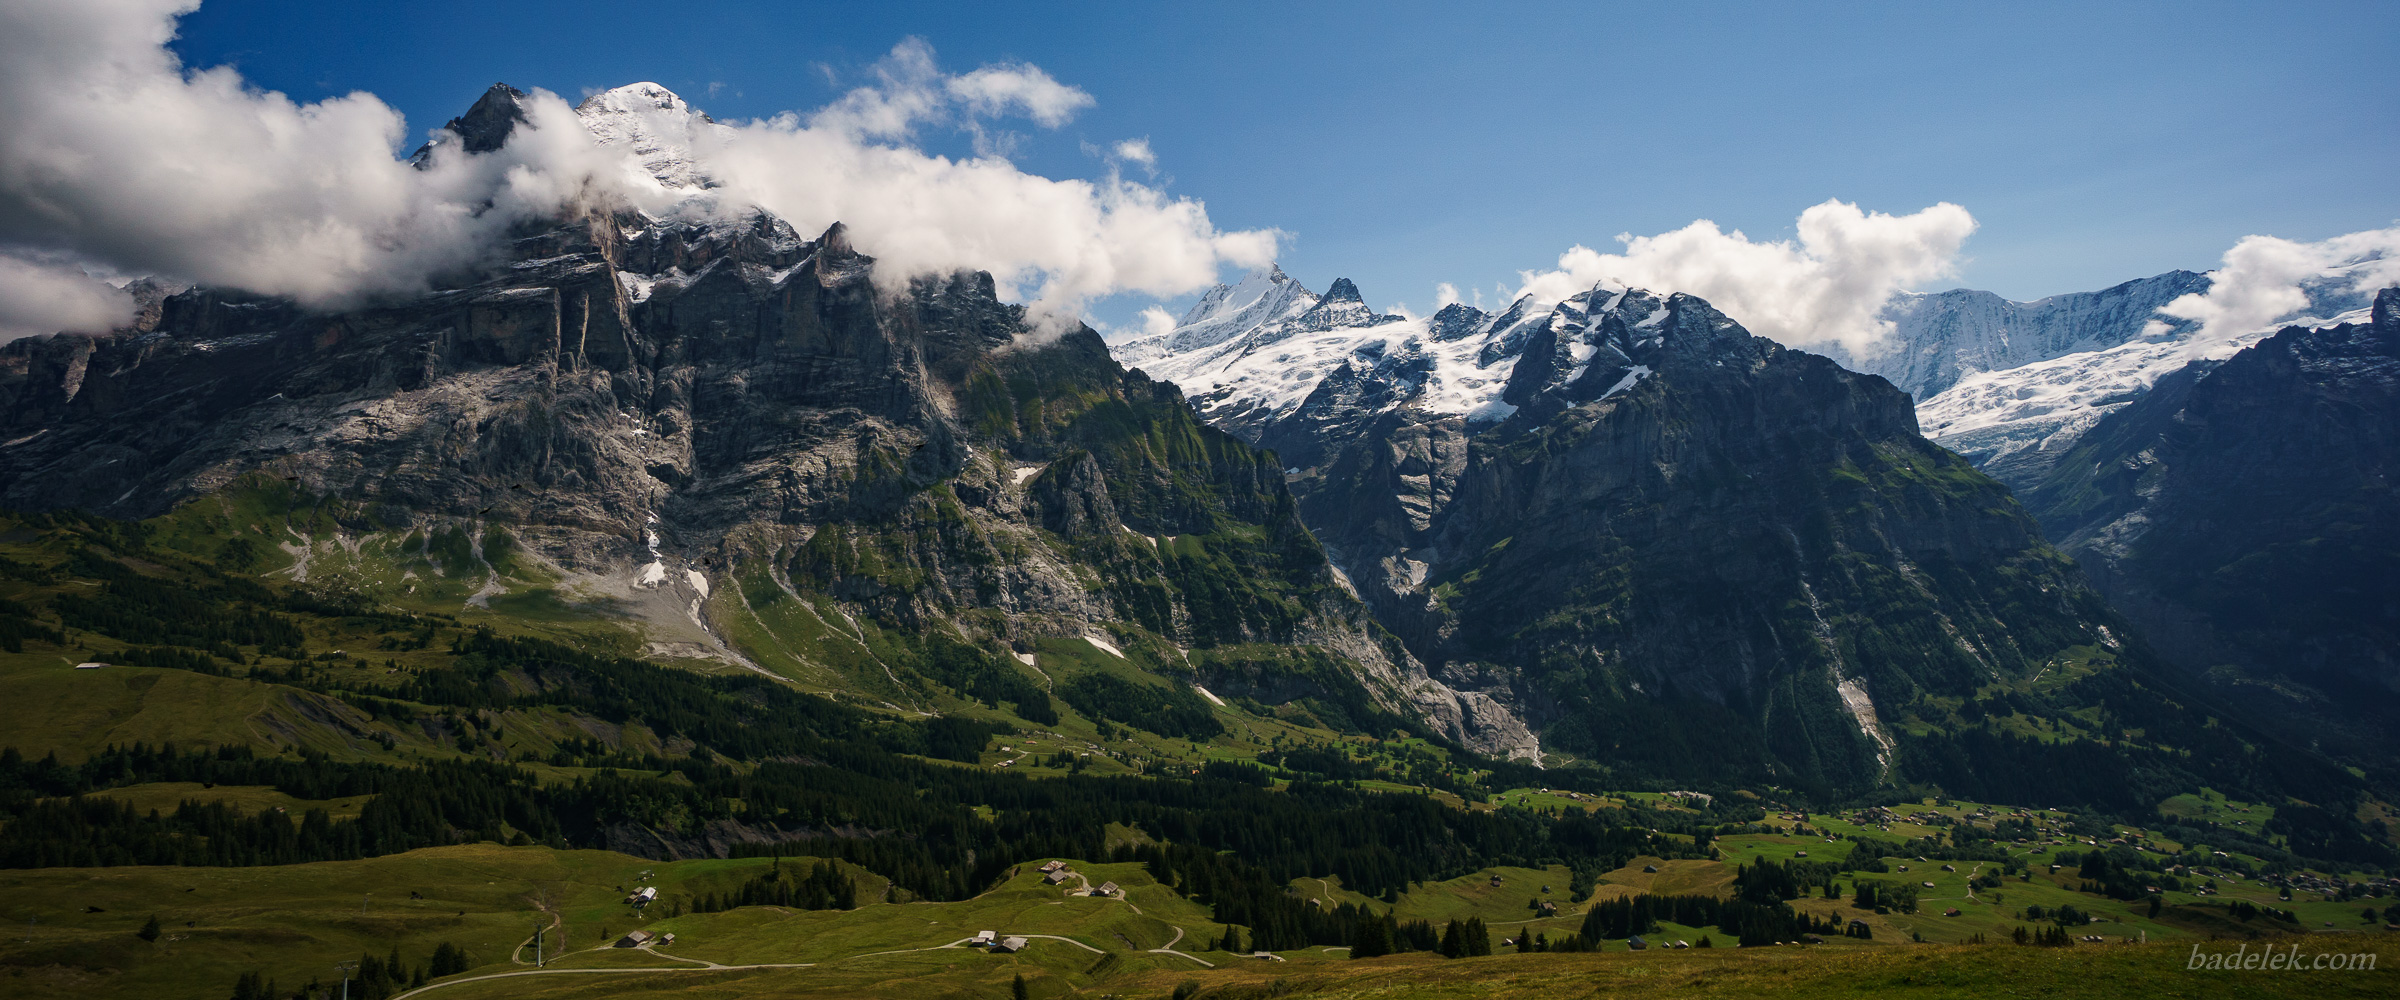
2014	385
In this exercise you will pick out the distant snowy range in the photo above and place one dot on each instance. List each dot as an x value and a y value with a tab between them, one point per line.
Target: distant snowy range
2010	385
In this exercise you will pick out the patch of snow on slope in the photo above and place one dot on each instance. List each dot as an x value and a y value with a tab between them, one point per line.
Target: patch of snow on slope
637	286
654	572
1632	377
2070	392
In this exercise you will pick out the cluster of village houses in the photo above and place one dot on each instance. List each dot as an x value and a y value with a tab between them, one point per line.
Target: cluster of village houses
1056	872
1059	873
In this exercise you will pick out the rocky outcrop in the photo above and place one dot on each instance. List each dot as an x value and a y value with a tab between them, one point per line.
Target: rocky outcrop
2244	513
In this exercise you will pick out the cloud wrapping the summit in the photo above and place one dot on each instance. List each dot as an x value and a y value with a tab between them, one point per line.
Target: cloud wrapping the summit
37	297
120	160
1060	243
2260	284
1827	287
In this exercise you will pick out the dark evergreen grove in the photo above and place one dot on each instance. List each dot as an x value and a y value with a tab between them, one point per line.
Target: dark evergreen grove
1751	923
1232	843
824	886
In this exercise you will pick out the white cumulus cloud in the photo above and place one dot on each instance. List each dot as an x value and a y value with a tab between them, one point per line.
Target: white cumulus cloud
1058	242
2261	282
1157	320
1018	88
121	160
1136	151
1825	287
37	298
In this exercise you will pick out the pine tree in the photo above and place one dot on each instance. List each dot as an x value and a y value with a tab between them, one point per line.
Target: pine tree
1479	937
149	931
371	983
1371	937
448	960
1017	989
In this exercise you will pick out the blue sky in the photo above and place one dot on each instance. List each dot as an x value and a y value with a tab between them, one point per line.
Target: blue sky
1404	145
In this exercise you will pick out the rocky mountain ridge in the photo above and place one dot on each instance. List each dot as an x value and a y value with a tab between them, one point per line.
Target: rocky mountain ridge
722	433
1663	540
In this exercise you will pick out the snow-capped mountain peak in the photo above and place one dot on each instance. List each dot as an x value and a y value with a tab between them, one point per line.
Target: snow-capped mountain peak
659	127
1341	307
1252	354
1263	297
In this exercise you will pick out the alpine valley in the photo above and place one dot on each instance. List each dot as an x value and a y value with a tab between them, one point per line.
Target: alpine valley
683	602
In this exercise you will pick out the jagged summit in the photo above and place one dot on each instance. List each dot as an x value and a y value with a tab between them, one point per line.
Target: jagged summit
654	122
836	242
1263	297
1456	320
1247	366
485	126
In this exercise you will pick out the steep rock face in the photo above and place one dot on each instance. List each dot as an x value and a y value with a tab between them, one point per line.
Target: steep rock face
2244	513
1704	547
1674	548
726	432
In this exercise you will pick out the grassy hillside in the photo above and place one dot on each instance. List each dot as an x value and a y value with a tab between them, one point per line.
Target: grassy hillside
350	778
77	935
